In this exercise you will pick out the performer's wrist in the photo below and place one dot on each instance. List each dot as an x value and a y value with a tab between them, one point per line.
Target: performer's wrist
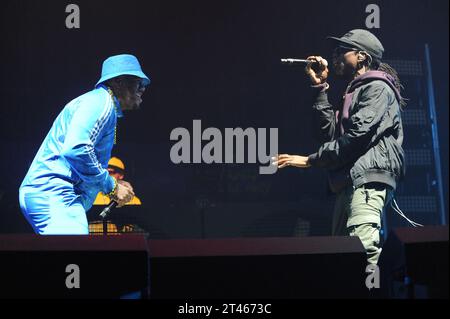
312	159
323	87
113	193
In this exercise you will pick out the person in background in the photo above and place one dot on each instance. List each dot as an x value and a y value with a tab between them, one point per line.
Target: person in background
116	169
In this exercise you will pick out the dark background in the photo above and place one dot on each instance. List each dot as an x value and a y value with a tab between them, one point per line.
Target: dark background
217	61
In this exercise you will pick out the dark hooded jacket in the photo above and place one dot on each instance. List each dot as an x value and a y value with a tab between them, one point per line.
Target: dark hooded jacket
361	142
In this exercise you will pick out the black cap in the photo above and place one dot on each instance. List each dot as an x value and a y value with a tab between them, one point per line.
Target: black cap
362	40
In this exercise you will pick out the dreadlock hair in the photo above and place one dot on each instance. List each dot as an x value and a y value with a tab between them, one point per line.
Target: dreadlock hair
386	68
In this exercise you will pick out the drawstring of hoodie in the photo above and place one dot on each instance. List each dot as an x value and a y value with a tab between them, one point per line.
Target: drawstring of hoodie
397	209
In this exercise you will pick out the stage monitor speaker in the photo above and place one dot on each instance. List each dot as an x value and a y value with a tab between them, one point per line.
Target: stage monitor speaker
35	266
279	268
414	263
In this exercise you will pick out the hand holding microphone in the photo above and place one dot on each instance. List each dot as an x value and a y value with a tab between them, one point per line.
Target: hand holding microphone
317	70
316	67
123	194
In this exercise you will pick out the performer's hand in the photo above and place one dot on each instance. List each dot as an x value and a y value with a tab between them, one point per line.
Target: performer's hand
284	160
124	193
317	72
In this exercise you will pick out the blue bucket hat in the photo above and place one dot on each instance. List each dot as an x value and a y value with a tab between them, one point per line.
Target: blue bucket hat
122	64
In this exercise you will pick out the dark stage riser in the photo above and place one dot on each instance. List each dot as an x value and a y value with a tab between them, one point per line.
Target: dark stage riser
414	263
34	266
114	266
310	267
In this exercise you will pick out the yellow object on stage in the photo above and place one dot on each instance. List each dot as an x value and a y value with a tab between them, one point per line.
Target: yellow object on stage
96	228
114	161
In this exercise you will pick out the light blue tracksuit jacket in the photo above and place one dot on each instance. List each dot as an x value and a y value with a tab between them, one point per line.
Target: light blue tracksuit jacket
70	167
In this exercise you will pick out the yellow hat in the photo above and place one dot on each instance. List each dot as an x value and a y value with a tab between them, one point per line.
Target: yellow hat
114	161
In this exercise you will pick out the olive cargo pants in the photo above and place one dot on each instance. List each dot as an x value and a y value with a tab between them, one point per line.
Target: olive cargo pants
358	211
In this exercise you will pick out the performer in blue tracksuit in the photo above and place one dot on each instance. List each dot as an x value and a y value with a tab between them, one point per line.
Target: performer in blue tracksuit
70	167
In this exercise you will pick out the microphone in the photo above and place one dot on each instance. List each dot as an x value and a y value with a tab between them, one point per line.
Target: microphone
291	61
108	208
